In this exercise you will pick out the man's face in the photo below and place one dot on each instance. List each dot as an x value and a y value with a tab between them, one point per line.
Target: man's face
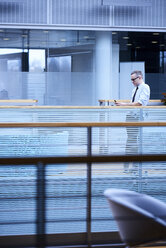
135	79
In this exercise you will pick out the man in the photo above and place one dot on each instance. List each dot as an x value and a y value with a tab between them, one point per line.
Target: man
141	92
140	97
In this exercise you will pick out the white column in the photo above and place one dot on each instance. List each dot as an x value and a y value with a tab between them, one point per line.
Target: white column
103	65
115	72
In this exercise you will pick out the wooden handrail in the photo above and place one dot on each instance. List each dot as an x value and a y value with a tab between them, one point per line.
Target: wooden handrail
109	102
126	100
78	107
18	101
151	102
82	124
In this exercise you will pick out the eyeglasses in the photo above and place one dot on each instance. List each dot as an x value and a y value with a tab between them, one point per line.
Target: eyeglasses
133	79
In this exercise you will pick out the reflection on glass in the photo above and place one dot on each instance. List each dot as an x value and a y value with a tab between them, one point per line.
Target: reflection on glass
59	64
36	60
14	65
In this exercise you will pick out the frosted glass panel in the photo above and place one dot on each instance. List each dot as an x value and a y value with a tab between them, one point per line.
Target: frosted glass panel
51	88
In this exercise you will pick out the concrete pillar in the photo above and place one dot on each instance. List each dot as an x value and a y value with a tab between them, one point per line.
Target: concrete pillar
115	72
103	65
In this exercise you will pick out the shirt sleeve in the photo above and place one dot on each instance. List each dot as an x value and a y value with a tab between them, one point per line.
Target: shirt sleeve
144	95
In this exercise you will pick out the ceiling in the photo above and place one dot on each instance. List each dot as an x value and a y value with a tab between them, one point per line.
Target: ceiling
61	39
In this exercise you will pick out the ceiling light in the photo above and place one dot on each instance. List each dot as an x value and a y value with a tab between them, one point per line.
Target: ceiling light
125	37
154	42
114	32
162	45
155	33
5	38
138	47
63	40
129	44
130	3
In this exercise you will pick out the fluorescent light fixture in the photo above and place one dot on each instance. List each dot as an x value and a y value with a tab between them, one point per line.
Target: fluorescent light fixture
154	42
9	50
129	44
5	38
125	37
155	33
140	3
63	39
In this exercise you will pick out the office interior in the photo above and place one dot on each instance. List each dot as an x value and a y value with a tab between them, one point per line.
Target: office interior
77	68
68	54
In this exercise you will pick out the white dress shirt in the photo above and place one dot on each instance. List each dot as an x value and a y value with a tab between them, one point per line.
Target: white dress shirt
143	94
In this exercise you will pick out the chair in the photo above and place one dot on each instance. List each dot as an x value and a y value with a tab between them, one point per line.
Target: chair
140	218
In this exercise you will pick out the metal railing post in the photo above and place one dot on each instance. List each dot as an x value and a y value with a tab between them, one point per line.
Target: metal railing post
89	185
40	206
140	150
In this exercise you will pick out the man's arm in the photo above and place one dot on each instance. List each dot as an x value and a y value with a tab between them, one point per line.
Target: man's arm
128	104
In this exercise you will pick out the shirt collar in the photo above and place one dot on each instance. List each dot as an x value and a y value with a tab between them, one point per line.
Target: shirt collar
140	85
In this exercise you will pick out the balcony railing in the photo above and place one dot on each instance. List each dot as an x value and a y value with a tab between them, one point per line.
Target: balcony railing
56	199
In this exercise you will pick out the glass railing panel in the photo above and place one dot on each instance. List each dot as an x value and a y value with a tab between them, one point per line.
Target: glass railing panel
17	200
129	141
154	113
109	140
66	198
50	88
29	142
64	141
66	88
152	140
148	178
80	114
66	195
